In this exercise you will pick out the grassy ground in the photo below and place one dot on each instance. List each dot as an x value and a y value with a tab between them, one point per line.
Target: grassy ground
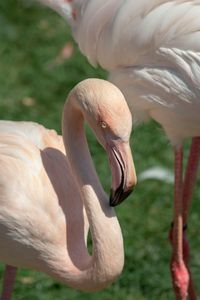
33	86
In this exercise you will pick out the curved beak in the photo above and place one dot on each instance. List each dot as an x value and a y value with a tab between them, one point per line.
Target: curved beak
123	172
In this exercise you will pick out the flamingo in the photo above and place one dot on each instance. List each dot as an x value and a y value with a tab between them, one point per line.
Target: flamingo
51	194
151	49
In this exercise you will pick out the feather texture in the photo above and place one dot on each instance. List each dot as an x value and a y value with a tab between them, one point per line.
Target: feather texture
152	51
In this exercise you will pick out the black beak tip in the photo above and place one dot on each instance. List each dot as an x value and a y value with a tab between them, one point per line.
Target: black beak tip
119	196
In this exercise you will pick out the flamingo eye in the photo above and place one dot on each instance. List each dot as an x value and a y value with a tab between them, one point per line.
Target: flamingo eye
103	125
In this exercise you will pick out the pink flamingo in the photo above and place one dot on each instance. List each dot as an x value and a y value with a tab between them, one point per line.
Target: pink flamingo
151	50
50	198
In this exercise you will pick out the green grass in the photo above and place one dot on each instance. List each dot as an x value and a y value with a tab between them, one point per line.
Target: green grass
30	39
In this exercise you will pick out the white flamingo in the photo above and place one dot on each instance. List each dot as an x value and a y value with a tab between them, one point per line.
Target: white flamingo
151	49
48	197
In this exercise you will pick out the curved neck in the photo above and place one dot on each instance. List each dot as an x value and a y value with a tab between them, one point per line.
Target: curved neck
108	256
62	7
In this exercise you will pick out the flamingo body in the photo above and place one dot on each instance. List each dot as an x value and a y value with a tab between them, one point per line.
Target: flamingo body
33	161
152	51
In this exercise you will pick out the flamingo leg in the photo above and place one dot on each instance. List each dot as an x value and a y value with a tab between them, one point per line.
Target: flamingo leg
179	272
190	176
189	184
8	283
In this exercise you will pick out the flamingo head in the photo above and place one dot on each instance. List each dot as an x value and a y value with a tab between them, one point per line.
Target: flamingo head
107	113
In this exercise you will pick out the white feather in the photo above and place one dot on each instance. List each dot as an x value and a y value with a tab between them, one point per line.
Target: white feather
157	173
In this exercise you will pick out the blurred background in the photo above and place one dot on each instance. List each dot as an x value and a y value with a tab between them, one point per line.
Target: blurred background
39	64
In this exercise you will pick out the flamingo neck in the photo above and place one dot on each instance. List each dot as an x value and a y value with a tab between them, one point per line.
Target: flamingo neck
107	258
62	7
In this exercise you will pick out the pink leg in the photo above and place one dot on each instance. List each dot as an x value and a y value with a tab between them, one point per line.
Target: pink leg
189	184
8	283
191	176
180	276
